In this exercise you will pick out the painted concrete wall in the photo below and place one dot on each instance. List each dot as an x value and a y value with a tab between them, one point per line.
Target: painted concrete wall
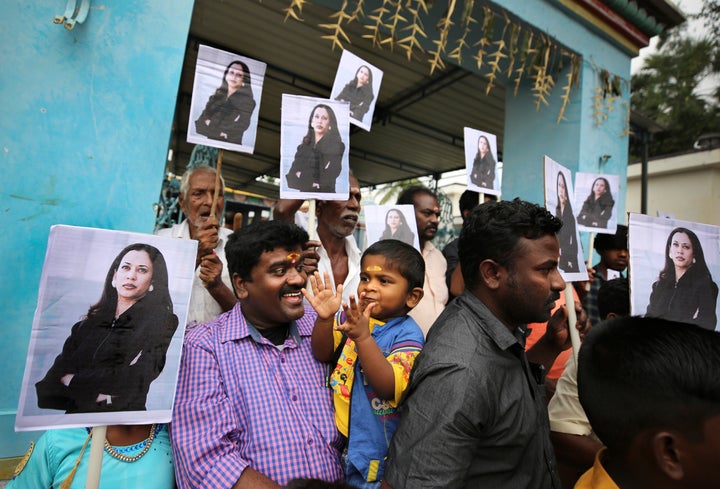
577	143
84	132
687	186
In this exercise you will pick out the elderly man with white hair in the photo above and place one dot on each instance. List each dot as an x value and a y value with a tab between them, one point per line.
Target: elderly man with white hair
212	289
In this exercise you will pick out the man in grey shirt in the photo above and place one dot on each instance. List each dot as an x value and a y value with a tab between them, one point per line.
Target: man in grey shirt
475	413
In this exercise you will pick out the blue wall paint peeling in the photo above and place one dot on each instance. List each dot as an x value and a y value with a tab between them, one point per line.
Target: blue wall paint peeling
86	119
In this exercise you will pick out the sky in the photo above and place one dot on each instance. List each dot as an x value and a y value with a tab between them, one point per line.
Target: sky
696	29
687	7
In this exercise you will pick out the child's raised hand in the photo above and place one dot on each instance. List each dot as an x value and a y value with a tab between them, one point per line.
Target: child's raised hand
357	323
325	302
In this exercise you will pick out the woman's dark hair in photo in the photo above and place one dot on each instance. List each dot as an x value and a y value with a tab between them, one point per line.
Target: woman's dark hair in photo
223	88
560	176
370	75
333	132
700	266
160	294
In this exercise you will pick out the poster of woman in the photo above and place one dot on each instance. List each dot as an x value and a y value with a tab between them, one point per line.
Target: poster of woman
391	222
105	342
225	100
559	196
357	82
314	148
481	161
675	267
595	208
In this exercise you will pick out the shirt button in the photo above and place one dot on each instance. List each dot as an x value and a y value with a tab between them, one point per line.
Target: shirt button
282	360
294	398
310	441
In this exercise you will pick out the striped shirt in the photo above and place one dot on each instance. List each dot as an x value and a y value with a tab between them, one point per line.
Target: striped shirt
243	402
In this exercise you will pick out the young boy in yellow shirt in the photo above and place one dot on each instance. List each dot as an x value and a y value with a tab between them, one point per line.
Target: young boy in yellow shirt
371	345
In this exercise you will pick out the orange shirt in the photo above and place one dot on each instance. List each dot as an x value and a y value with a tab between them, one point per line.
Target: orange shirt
538	329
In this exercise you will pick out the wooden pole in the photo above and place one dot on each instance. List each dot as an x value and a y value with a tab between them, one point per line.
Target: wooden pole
591	237
97	447
572	318
217	184
312	231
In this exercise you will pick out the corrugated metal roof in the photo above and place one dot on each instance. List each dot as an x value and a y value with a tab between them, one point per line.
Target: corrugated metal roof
419	118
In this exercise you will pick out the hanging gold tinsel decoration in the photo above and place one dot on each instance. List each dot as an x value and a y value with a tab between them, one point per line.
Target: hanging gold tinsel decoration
443	26
400	23
411	42
497	55
338	33
487	34
294	10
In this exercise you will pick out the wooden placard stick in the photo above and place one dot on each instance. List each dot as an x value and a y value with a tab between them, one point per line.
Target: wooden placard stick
312	231
591	237
97	448
216	196
572	318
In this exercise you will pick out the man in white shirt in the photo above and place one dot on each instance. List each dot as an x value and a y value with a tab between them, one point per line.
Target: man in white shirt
427	214
212	291
338	253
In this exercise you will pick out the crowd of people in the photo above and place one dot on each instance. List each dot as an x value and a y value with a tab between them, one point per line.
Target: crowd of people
310	364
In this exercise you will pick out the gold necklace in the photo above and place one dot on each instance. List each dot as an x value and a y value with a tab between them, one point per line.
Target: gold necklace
124	458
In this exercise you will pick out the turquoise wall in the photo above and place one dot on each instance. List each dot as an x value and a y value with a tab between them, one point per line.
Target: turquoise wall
84	132
577	143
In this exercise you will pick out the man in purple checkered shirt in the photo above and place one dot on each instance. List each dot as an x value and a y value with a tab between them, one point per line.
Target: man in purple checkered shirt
251	408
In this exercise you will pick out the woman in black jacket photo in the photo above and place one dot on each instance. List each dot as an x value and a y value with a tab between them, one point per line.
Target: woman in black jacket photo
483	170
359	93
318	159
115	352
684	290
568	232
396	227
597	208
228	110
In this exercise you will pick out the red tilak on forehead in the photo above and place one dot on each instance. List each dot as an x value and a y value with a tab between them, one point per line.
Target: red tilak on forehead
293	258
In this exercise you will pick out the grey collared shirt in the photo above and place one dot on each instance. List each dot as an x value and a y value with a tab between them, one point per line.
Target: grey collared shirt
475	415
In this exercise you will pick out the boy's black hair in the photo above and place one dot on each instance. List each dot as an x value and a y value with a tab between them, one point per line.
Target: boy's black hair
492	231
637	374
469	200
614	296
246	245
617	241
402	257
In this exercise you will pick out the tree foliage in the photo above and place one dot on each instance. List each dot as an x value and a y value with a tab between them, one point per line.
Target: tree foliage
666	90
710	16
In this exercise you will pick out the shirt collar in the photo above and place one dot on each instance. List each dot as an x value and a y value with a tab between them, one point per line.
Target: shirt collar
492	326
257	337
236	327
597	477
428	247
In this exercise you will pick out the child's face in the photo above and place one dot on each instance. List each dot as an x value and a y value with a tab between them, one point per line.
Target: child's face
382	285
615	259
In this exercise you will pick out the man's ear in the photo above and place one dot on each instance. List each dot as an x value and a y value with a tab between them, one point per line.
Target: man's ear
491	273
181	202
667	449
240	286
414	297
